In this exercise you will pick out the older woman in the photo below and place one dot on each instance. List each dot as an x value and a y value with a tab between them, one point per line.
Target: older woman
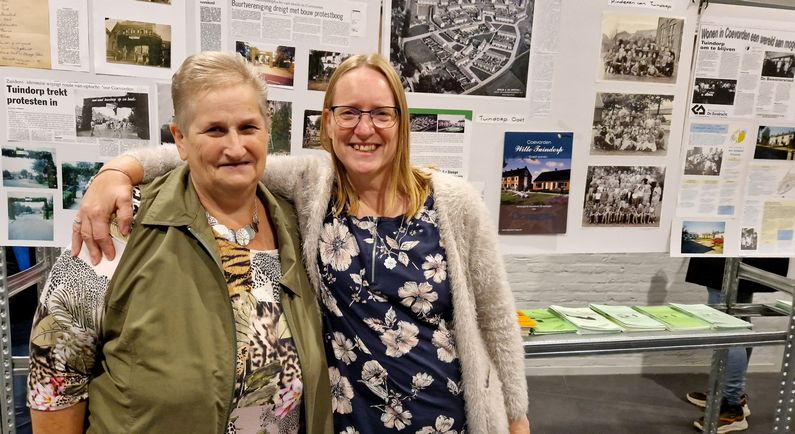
420	329
207	321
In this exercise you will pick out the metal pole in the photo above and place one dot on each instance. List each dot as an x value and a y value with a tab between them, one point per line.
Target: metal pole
7	388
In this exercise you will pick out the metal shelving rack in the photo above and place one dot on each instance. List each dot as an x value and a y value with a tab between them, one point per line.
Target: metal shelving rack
719	342
12	285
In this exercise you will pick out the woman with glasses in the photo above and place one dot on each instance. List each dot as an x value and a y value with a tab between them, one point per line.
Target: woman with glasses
419	323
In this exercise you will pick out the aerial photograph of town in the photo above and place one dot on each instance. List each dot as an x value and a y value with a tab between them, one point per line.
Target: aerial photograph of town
473	47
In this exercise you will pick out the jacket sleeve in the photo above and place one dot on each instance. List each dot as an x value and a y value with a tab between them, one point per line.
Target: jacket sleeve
156	160
496	310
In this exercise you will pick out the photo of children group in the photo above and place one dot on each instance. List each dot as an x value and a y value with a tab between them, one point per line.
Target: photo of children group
623	196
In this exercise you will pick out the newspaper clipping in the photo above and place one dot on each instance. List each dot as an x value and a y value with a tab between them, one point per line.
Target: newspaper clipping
536	173
440	138
115	117
743	72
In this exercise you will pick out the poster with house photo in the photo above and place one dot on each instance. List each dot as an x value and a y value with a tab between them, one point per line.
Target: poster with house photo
536	171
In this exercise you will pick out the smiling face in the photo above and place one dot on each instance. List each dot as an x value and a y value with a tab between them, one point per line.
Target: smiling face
225	142
366	152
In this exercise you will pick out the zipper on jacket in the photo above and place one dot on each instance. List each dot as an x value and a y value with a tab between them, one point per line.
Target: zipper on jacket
375	244
234	331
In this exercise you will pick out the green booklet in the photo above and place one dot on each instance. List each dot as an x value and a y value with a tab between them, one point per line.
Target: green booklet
719	320
547	323
672	318
586	320
627	317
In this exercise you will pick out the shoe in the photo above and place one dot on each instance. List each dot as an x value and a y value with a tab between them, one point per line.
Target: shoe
731	419
699	399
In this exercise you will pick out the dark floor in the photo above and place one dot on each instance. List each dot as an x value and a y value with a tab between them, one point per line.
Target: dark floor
635	404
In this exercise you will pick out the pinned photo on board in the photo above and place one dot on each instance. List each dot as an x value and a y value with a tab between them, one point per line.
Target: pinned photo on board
165	112
446	123
629	196
778	65
714	91
281	113
775	143
703	160
480	48
111	114
137	43
748	239
312	120
640	48
321	66
29	167
703	238
75	176
629	123
274	63
30	216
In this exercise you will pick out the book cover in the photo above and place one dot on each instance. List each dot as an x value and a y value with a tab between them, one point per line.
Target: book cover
586	320
547	323
672	318
719	320
629	318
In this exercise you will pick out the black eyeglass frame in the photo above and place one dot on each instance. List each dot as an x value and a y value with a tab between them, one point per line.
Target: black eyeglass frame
362	112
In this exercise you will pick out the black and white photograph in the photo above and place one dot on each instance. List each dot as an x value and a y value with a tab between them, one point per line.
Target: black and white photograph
703	160
281	113
75	176
111	114
274	63
640	48
628	196
29	167
775	143
422	122
714	91
450	123
137	43
629	123
480	48
312	120
165	112
321	65
748	238
778	64
30	216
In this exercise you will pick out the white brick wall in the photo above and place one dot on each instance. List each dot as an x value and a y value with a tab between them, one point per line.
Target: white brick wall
628	279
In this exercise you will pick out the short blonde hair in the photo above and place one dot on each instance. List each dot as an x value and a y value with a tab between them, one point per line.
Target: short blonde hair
404	179
212	70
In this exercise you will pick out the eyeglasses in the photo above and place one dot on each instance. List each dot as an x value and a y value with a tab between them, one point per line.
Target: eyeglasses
348	117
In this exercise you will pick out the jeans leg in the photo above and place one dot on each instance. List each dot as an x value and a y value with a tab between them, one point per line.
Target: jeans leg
737	364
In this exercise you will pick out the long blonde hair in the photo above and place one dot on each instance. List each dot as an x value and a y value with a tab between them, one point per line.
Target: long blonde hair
410	182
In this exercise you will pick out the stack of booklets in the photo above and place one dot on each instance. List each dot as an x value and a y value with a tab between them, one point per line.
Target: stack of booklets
628	318
586	320
718	320
525	323
673	319
547	323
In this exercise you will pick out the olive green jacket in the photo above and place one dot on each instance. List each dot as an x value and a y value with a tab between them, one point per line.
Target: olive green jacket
169	356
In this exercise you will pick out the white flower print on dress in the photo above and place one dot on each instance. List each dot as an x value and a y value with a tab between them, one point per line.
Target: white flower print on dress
343	348
444	343
373	372
337	245
443	425
390	263
420	381
435	268
341	392
395	416
350	430
400	341
419	297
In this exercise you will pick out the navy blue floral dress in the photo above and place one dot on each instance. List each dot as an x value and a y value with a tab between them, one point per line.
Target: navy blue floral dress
387	311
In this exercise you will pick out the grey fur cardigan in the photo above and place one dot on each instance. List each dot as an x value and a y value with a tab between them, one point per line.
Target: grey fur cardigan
486	330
